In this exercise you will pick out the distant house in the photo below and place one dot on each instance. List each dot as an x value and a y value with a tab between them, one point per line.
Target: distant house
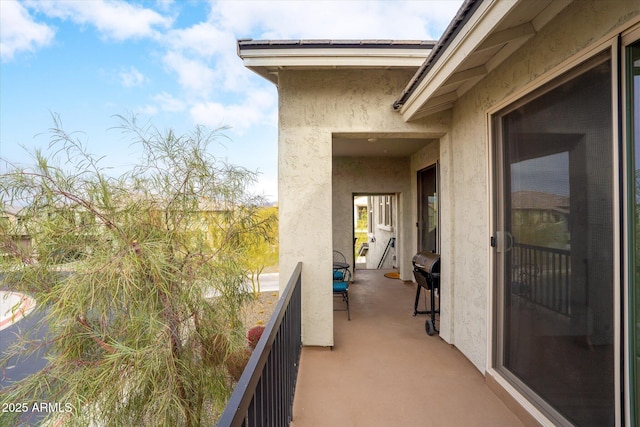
374	219
202	223
523	117
18	240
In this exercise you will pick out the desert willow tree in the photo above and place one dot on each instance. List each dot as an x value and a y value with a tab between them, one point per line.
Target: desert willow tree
140	278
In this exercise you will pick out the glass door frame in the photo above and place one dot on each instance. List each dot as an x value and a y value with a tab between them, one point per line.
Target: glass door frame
499	242
631	316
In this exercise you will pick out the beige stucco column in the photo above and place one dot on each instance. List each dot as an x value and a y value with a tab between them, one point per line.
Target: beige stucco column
304	176
447	285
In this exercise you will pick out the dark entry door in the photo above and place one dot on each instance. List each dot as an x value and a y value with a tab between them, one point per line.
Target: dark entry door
428	209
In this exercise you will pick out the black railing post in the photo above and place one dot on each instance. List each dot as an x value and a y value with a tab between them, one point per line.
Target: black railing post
264	393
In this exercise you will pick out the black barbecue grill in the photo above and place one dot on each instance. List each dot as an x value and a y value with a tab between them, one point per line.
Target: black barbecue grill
426	270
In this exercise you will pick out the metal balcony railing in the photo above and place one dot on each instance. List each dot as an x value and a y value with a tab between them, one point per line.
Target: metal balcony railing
543	276
264	394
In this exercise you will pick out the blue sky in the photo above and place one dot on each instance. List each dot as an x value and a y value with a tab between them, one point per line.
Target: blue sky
172	63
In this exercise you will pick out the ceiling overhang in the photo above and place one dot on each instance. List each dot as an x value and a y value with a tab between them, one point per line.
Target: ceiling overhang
385	145
494	30
268	57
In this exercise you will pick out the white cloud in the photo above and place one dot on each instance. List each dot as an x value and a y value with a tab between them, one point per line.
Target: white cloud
207	45
258	108
147	110
336	19
115	20
193	75
132	77
204	39
169	103
19	32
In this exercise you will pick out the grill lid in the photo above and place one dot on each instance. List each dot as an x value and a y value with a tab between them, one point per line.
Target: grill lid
427	261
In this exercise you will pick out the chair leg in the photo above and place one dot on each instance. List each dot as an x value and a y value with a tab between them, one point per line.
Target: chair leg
346	299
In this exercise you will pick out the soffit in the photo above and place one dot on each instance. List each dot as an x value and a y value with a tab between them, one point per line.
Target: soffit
378	145
268	57
495	30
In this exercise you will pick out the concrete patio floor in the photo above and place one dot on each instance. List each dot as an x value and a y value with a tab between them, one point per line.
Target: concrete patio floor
384	370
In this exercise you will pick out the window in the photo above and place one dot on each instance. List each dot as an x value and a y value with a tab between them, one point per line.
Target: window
370	205
385	211
388	211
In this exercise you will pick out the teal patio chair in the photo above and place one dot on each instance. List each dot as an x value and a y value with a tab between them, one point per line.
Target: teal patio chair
341	280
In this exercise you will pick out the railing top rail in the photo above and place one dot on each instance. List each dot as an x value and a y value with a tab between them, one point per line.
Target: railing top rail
542	248
240	399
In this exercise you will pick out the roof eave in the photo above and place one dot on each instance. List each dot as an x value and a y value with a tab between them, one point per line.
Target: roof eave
266	58
441	81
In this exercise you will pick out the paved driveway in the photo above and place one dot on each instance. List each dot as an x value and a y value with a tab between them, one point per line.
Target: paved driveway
18	369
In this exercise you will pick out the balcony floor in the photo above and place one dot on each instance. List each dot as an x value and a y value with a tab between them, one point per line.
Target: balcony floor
384	370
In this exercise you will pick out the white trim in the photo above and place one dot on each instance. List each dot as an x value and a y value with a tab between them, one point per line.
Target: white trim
334	57
520	399
268	62
492	219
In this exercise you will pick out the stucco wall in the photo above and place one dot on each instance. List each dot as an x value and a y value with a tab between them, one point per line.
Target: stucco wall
368	175
467	153
314	105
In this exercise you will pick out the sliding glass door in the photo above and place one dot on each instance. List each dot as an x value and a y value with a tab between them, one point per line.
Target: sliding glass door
555	245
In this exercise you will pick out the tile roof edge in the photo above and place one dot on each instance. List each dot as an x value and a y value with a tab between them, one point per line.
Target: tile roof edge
326	43
465	12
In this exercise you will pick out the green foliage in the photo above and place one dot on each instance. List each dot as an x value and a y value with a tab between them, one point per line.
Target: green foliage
134	336
541	228
263	252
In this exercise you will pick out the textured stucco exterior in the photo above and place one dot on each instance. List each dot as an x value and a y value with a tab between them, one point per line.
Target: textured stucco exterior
315	189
